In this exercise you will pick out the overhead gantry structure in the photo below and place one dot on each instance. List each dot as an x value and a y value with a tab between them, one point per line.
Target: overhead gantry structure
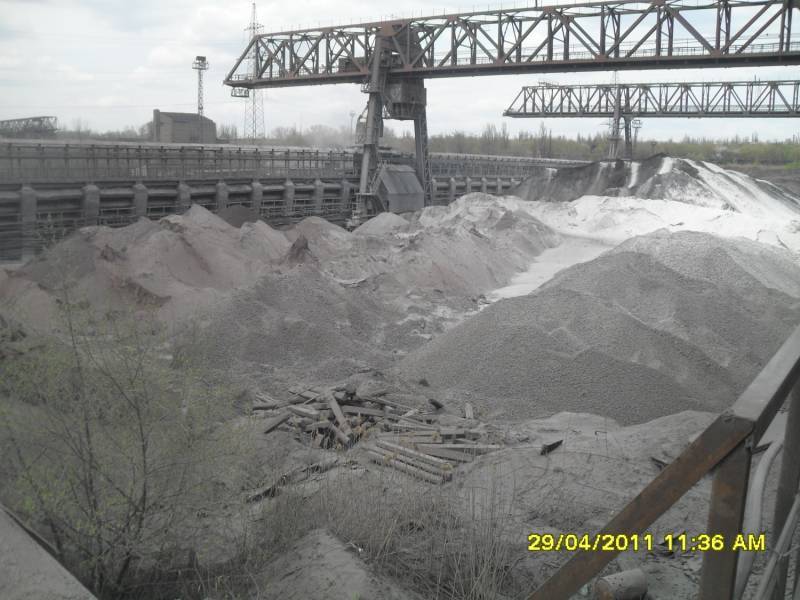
29	126
391	59
628	101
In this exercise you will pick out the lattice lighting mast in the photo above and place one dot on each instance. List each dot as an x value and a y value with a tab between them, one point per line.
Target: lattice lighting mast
200	64
254	107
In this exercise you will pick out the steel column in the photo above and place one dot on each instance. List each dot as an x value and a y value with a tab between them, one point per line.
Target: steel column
787	484
725	515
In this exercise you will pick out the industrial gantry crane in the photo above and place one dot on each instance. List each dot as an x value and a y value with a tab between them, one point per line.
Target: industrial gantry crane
391	59
629	101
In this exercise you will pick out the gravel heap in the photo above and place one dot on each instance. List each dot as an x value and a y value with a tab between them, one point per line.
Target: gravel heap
665	323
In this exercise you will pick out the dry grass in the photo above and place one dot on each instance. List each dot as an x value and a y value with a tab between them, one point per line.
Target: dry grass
442	543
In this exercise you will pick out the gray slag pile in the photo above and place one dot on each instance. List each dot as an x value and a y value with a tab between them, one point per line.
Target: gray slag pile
663	323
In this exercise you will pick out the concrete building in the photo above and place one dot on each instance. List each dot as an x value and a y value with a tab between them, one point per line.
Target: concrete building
183	128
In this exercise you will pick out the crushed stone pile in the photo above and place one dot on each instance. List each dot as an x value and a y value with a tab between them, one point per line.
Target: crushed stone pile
625	335
176	265
296	317
313	296
467	248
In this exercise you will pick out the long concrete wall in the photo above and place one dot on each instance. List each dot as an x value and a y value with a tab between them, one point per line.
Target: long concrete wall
35	215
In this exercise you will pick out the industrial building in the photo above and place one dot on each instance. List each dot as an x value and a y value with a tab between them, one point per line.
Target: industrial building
183	128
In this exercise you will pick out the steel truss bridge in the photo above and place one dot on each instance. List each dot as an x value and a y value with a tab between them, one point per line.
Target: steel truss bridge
29	127
703	99
624	103
391	59
586	36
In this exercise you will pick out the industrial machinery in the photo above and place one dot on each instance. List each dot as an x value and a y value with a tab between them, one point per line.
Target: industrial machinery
391	59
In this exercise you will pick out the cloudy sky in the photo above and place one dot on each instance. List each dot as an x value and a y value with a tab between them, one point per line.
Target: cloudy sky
111	62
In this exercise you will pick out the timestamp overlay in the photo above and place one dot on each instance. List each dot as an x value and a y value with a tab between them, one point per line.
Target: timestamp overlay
647	542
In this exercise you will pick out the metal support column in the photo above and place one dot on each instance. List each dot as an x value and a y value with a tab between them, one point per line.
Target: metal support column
787	484
628	137
422	157
725	515
373	126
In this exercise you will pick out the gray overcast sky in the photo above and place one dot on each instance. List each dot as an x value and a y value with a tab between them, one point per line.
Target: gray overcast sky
110	62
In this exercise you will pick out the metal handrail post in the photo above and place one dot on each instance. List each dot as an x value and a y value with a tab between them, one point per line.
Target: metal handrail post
787	484
725	516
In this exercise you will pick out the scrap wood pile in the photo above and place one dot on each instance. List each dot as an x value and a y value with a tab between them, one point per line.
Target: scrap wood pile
396	435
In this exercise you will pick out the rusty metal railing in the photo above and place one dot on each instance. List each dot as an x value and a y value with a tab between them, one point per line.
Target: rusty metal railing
726	448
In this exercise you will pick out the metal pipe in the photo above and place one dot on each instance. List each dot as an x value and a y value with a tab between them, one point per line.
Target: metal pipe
771	574
753	512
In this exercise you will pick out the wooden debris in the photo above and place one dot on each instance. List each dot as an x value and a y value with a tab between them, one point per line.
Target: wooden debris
361	410
382	459
304	411
276	421
659	463
442	465
548	448
402	437
294	476
468	412
340	418
340	435
318	425
471	448
442	452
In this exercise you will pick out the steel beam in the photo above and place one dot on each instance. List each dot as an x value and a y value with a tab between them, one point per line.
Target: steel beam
749	99
598	36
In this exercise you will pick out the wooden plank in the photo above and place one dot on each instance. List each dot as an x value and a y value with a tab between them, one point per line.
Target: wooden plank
417	464
437	404
361	410
437	450
267	402
276	421
708	449
339	415
471	448
318	426
458	432
305	412
385	402
381	459
441	464
725	515
409	440
345	440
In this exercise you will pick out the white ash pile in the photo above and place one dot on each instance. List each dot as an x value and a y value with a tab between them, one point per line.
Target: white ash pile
426	444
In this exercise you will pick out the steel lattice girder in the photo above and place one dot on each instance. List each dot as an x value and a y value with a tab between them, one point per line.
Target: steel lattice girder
709	99
43	125
591	36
